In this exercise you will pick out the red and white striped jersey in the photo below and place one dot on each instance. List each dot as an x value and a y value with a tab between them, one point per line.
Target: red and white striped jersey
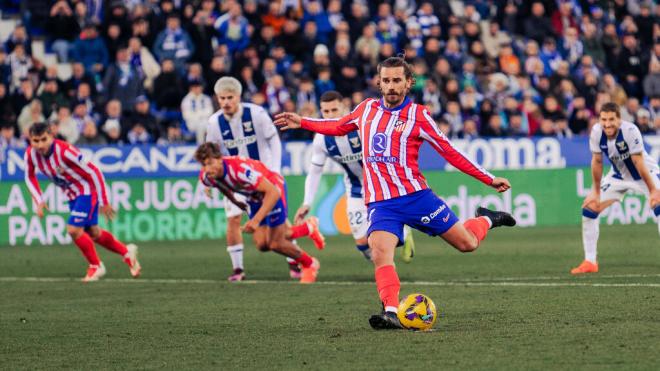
243	175
391	139
68	169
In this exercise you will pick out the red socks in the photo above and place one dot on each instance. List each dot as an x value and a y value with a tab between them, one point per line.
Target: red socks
304	260
388	285
107	240
86	246
478	226
300	230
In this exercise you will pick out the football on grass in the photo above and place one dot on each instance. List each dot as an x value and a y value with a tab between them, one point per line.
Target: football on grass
417	312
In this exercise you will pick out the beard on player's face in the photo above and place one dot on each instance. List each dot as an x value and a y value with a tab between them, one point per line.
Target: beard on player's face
393	96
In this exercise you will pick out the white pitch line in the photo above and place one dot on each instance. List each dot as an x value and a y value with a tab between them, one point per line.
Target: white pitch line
342	283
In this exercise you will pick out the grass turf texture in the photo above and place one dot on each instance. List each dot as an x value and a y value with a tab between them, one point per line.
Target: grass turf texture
488	320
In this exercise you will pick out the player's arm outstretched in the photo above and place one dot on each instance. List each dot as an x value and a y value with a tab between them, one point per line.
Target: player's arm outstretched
33	184
271	195
429	131
654	193
334	127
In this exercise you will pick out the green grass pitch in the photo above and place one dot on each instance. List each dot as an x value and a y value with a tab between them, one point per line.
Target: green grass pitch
511	306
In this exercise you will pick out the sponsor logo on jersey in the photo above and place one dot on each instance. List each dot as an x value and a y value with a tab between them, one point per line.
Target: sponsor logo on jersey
379	143
347	159
235	143
383	159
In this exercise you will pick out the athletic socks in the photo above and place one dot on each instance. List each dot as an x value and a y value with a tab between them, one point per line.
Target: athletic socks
236	255
304	260
300	230
478	226
590	232
364	249
86	246
107	240
388	285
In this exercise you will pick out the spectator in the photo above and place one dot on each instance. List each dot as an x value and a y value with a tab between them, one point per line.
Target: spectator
430	97
123	81
651	82
23	95
19	36
579	117
276	94
643	121
8	137
66	126
453	117
168	87
142	30
316	14
538	26
232	29
345	68
368	40
494	127
7	113
469	131
148	129
143	61
593	46
563	18
645	21
493	38
196	108
571	46
172	135
30	114
51	97
114	118
90	50
62	29
174	43
19	63
631	66
81	115
90	136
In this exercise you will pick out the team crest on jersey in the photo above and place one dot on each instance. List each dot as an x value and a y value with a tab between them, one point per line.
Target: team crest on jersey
400	125
355	142
247	125
622	147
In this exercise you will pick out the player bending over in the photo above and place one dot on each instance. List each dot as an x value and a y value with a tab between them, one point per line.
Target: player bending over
245	129
632	170
392	130
265	194
84	185
347	152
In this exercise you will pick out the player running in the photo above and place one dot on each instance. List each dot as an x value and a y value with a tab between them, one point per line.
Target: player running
632	170
245	129
84	185
347	152
265	193
392	130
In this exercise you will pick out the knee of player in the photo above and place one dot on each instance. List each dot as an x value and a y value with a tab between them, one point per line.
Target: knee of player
263	246
74	232
467	245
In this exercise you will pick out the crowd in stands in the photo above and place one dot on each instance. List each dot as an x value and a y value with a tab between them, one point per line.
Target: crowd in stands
142	71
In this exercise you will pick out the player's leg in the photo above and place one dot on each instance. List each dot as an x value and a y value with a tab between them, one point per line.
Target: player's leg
234	239
279	243
294	268
385	232
612	190
81	210
383	243
357	219
128	252
308	228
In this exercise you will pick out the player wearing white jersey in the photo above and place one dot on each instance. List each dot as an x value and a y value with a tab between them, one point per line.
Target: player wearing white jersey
243	129
347	152
632	170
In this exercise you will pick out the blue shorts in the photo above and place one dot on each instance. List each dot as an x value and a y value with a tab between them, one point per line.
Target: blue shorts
84	212
422	210
277	216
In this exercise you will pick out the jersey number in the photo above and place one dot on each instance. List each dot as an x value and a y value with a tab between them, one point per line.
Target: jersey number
355	218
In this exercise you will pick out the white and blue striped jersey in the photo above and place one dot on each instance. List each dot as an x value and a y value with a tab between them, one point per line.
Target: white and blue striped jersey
249	133
628	142
346	151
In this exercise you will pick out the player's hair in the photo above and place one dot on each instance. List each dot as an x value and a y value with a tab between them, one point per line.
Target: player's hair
393	62
207	150
229	84
611	107
39	128
331	95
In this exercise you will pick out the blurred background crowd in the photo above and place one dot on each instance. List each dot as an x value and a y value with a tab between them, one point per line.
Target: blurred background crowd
142	71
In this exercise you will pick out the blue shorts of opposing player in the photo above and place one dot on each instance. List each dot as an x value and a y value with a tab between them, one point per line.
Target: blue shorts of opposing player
277	216
422	210
84	212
